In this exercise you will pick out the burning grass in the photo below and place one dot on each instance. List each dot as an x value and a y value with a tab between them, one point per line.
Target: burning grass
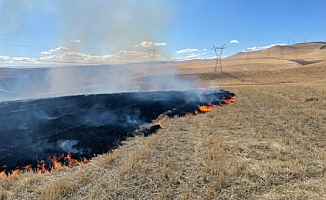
270	145
62	161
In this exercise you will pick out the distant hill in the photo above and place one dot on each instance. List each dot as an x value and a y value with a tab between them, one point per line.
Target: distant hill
296	55
312	50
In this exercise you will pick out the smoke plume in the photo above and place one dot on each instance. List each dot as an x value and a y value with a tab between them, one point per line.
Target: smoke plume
94	38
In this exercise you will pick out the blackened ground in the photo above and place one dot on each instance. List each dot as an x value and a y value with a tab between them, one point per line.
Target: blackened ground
86	125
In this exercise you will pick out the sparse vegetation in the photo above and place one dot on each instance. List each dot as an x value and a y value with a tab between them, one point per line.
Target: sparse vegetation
270	145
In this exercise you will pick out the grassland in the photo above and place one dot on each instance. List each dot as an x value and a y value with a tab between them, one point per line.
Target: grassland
270	145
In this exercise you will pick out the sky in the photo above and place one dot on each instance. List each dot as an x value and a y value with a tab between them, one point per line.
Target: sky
74	32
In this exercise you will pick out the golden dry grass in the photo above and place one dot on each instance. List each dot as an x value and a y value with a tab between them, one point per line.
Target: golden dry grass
268	59
270	145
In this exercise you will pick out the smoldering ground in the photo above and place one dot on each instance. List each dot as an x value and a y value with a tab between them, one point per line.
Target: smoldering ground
85	125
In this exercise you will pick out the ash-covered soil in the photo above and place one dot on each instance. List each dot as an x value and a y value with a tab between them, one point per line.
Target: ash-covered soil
86	125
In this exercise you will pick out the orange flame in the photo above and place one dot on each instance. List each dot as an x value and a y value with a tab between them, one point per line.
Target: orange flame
205	108
228	100
40	167
159	124
57	163
72	162
3	174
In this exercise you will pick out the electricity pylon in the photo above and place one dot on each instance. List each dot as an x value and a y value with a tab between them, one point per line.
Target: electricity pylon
151	54
218	53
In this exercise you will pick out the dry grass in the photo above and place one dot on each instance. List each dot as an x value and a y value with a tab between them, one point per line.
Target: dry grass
270	145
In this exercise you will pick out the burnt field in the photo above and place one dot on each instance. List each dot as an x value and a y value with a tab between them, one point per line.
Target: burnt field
87	125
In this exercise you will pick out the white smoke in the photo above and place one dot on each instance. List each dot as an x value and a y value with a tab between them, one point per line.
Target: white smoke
99	33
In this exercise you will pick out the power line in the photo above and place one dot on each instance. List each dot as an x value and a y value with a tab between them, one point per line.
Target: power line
218	53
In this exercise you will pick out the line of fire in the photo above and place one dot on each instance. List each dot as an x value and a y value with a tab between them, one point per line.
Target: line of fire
48	134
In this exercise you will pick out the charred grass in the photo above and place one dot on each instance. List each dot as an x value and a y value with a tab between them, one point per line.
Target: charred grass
270	145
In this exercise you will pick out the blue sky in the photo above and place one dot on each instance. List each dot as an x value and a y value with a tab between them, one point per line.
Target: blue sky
38	31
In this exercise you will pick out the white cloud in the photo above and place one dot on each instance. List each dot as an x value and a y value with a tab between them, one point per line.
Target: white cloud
263	47
234	41
186	51
18	60
204	49
76	41
62	56
146	44
45	52
136	45
59	49
4	58
120	57
150	44
160	44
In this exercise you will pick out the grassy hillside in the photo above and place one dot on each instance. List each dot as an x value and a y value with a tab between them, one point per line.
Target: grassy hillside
294	56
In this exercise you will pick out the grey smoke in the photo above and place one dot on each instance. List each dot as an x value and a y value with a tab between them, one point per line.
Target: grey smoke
69	146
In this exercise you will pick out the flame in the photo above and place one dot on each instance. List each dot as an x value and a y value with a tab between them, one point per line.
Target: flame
55	162
40	167
159	124
72	162
14	173
27	167
3	174
228	100
205	108
68	161
58	162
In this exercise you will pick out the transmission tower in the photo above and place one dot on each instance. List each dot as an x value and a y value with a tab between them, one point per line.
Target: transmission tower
248	53
218	53
151	54
281	57
289	41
